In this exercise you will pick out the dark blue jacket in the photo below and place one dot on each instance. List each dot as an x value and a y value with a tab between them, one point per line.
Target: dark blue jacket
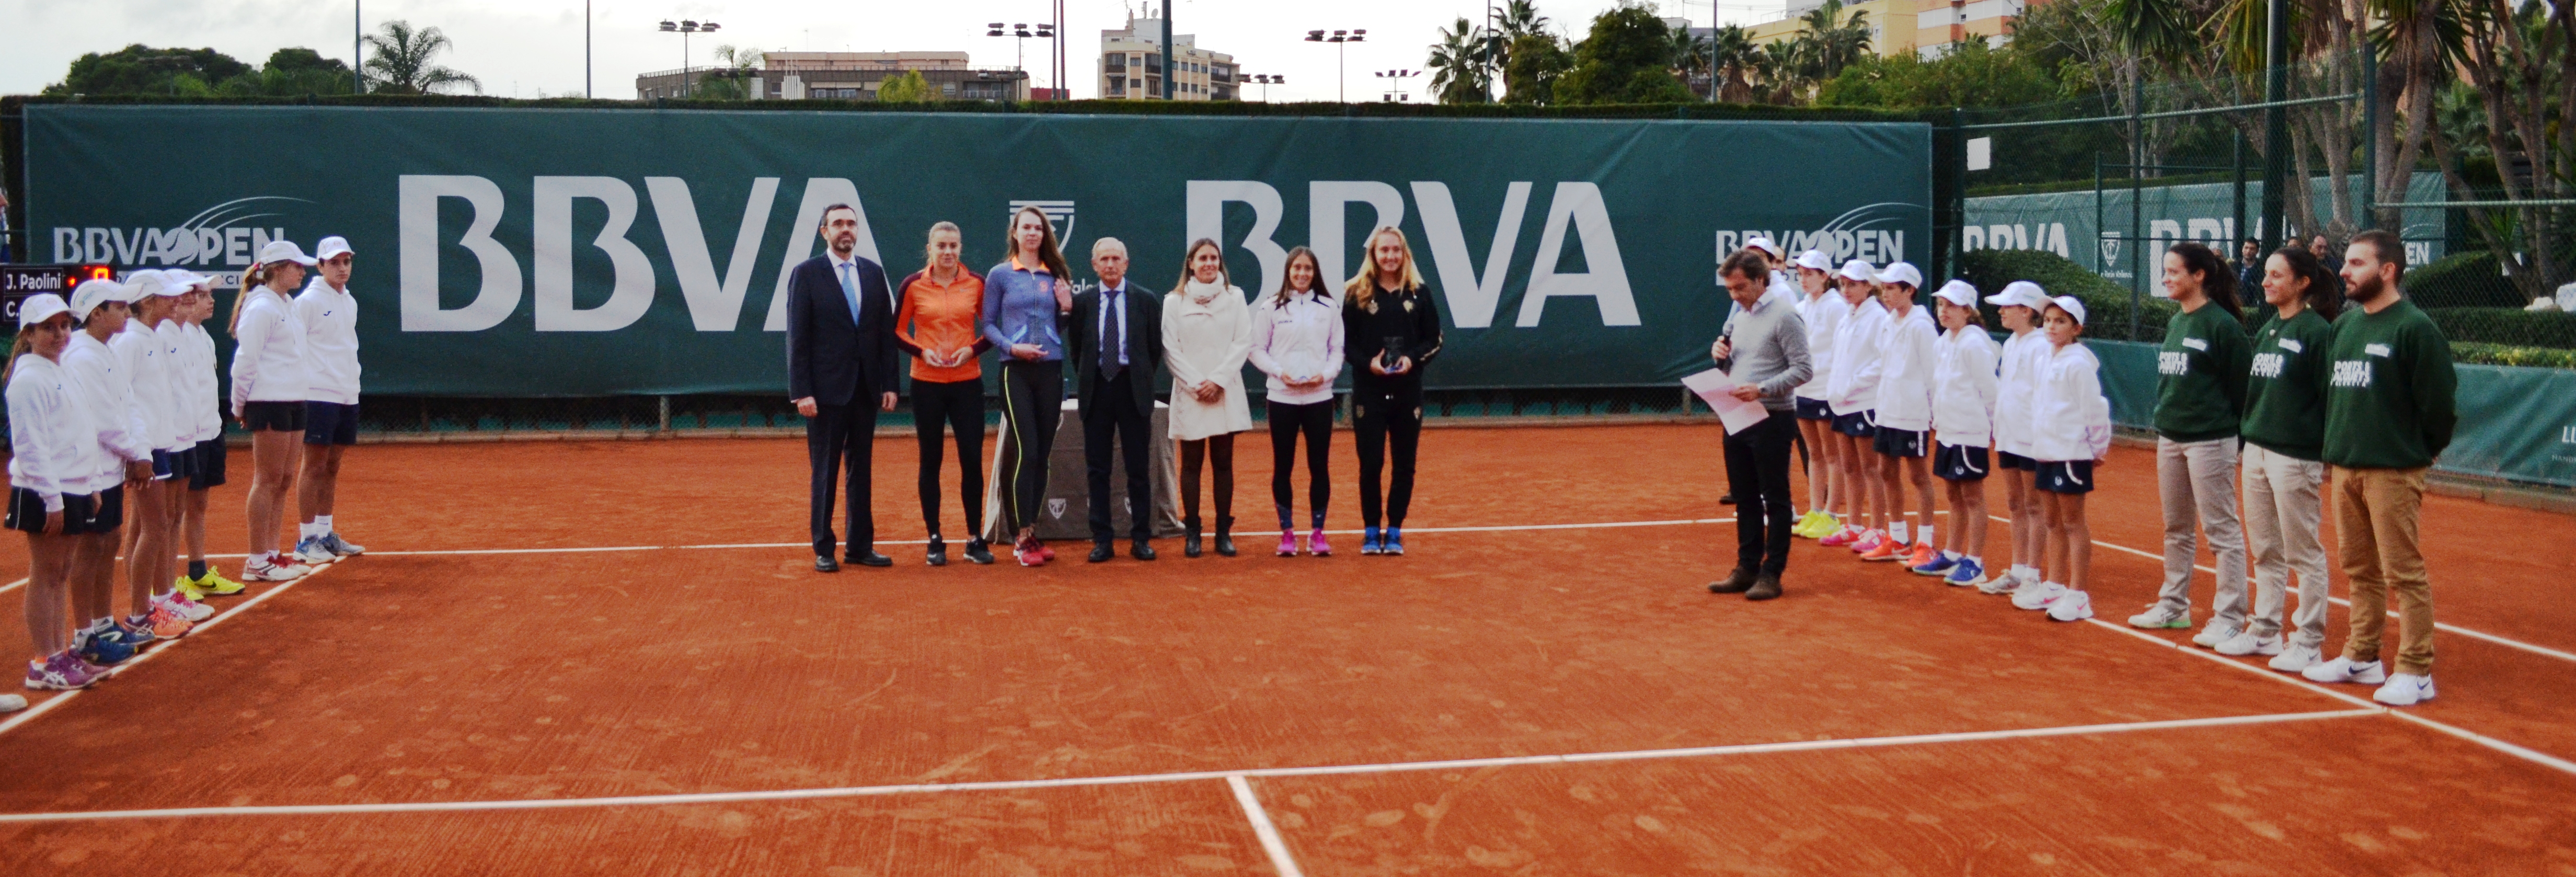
831	353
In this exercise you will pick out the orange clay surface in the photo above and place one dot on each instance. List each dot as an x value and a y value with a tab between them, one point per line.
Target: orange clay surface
490	677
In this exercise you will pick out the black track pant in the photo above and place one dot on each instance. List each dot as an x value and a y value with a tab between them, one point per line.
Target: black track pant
937	409
1315	421
1032	402
1383	415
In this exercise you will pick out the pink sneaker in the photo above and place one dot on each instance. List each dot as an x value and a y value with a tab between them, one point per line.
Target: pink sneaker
1287	543
61	672
1319	546
1841	538
1869	542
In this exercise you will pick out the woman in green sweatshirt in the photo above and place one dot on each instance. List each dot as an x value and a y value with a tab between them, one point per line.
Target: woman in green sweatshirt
2285	430
2200	388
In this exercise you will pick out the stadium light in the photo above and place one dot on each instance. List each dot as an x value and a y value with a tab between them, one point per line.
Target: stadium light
1341	39
684	28
1021	34
1395	84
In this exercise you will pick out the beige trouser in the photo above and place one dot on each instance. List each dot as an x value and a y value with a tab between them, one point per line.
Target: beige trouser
2197	481
2284	511
2376	513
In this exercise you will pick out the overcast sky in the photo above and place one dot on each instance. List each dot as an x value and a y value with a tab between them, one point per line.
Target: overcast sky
523	48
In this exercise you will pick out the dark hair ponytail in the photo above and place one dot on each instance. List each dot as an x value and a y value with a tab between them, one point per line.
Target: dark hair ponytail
2322	295
2215	280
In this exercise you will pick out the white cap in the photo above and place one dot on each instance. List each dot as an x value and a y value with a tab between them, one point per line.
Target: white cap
1764	244
41	307
1958	292
186	279
1816	259
331	246
92	293
2073	307
1899	272
283	250
152	282
1858	270
2020	292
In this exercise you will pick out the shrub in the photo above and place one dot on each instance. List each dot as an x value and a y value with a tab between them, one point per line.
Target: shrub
2463	280
2106	304
2505	326
2500	354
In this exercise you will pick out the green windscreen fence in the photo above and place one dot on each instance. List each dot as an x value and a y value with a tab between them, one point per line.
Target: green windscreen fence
2516	423
510	252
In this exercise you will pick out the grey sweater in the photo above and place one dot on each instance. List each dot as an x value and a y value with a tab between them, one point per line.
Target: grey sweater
1770	349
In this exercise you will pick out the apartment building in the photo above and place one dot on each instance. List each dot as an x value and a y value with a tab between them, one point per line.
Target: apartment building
1131	65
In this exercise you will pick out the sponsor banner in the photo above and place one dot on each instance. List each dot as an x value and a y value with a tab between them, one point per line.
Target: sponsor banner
544	252
2077	226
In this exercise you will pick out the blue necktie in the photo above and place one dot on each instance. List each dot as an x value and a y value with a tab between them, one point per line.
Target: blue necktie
1112	340
850	291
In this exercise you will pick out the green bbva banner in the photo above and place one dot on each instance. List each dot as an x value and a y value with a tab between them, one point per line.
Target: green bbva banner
534	252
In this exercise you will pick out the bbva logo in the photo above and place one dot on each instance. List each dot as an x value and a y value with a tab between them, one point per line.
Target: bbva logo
224	234
715	300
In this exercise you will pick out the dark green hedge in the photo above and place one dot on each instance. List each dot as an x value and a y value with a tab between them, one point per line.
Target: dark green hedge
2106	304
2506	326
2463	280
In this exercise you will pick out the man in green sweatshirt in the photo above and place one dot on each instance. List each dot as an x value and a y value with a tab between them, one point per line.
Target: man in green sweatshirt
2389	412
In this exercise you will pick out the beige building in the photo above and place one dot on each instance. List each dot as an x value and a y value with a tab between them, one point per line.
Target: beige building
1900	26
850	76
1131	65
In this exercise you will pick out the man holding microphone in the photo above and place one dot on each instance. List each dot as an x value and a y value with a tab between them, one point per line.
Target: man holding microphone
1764	349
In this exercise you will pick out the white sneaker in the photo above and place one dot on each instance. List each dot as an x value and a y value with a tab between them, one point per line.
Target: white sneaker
2007	583
2343	669
2160	617
2247	643
10	703
2213	633
264	570
310	550
2071	606
2297	658
2405	689
192	611
2038	597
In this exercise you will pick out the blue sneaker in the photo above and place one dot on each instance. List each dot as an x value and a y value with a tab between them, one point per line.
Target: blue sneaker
1967	574
1395	540
1940	564
106	648
1370	543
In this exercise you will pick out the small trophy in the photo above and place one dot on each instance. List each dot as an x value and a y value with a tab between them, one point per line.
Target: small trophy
1388	356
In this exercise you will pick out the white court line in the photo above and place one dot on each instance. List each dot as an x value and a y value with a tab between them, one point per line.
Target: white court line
12	586
1261	827
2447	627
157	648
1602	525
1134	779
2521	752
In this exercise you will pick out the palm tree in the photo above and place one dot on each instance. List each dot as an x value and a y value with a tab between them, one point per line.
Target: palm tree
1458	65
1731	54
1516	19
1831	41
1691	57
402	61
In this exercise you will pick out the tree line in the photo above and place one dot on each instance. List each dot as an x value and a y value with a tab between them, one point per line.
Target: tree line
401	60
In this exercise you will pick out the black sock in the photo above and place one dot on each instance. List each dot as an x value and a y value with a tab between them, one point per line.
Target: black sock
196	569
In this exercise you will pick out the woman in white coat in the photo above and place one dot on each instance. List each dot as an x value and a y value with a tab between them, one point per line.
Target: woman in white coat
1207	333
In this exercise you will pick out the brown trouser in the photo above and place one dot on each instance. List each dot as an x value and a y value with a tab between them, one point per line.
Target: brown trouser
2376	512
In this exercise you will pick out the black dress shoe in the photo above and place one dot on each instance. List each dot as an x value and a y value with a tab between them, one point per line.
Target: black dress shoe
872	559
1225	536
1728	499
978	552
825	563
938	552
1100	552
1767	587
1140	550
1737	582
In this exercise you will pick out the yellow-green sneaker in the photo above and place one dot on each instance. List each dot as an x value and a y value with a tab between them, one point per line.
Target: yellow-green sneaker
213	584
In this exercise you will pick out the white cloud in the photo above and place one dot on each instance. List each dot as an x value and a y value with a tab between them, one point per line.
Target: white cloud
533	46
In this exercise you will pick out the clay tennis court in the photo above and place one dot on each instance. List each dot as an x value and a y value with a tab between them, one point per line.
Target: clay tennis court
612	657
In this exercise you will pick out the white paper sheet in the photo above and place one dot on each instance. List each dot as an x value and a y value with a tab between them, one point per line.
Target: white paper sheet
1714	387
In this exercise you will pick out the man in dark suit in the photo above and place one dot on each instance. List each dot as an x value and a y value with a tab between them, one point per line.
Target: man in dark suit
840	373
1115	345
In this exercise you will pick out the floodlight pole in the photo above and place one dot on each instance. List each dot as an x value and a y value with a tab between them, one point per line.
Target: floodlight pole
1167	49
357	44
2276	123
586	90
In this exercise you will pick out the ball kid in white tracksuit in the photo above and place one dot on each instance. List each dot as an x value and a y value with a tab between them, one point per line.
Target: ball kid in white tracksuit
1963	418
270	385
2019	304
1904	440
1851	393
1823	310
2070	434
329	312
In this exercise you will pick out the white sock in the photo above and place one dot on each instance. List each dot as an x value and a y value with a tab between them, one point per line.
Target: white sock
1896	531
321	525
303	531
1927	534
1950	555
1979	561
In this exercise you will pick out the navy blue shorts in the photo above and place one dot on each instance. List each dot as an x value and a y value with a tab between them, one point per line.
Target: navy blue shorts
160	464
1814	409
80	515
209	471
1902	442
273	416
330	423
1959	463
1858	424
2010	460
182	463
2066	476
